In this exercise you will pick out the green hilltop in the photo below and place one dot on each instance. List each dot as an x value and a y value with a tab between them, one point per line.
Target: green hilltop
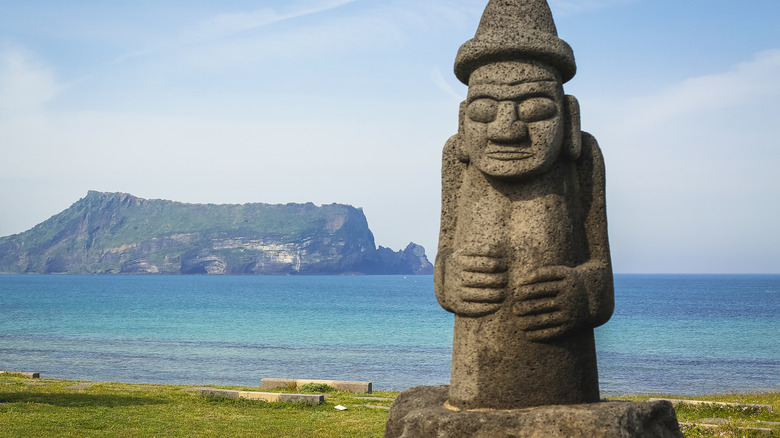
117	233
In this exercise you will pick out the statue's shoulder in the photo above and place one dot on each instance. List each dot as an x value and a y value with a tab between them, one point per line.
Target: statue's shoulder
590	156
450	147
590	144
590	167
453	161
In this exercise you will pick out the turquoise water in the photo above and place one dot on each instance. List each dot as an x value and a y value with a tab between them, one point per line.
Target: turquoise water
681	334
692	334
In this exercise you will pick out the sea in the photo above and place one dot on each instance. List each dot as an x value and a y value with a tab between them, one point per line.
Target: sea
674	334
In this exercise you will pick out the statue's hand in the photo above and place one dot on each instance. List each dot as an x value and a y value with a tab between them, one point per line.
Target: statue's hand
476	282
551	302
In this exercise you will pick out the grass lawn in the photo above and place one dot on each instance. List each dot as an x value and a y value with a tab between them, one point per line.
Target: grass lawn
52	407
47	407
728	421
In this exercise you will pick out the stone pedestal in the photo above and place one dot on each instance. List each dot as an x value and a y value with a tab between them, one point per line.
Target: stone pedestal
420	412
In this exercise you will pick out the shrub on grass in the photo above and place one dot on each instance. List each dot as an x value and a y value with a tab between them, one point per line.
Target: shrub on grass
316	388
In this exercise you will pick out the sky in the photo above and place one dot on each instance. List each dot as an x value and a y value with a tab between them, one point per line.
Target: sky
351	101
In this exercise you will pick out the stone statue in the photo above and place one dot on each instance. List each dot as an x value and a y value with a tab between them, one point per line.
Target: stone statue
523	258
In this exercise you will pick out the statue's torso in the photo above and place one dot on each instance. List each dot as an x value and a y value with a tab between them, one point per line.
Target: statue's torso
532	224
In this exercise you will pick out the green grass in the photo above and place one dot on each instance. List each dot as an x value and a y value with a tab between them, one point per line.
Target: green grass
316	388
47	407
737	417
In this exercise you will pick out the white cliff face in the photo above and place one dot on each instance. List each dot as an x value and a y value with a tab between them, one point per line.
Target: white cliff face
208	265
254	245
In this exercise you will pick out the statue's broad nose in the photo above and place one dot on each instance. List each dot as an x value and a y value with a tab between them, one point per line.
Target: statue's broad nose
507	127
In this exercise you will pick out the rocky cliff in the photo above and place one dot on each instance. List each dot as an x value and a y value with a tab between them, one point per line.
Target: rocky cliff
117	233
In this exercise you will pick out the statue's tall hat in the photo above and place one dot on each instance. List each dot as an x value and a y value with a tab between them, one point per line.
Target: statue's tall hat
512	30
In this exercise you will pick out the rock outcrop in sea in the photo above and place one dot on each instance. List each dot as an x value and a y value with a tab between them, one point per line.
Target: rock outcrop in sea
117	233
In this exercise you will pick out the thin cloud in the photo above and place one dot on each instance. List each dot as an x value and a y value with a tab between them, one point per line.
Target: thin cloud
367	29
700	154
568	7
26	84
227	40
233	23
227	25
748	82
443	85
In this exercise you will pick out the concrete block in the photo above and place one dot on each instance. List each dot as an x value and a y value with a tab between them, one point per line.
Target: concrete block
28	375
312	399
277	383
339	385
715	427
674	401
375	398
387	408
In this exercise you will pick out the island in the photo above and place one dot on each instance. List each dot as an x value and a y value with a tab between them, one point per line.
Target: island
118	233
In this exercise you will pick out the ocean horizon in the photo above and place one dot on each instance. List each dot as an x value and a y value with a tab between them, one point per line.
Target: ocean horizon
682	334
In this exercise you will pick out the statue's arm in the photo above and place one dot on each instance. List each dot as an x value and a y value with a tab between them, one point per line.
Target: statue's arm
451	179
597	271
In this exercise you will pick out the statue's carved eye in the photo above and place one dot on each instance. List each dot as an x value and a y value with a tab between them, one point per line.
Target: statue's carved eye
536	109
482	110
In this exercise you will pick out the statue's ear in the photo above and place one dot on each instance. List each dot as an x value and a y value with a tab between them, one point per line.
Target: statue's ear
572	142
460	151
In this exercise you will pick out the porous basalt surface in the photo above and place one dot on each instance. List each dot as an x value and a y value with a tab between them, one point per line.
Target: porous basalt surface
421	412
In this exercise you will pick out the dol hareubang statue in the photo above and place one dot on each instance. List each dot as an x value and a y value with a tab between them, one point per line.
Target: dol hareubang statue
523	259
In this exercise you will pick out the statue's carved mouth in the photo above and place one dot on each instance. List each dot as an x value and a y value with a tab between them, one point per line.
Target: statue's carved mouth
507	152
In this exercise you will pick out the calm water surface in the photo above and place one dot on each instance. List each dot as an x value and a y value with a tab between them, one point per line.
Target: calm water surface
684	334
